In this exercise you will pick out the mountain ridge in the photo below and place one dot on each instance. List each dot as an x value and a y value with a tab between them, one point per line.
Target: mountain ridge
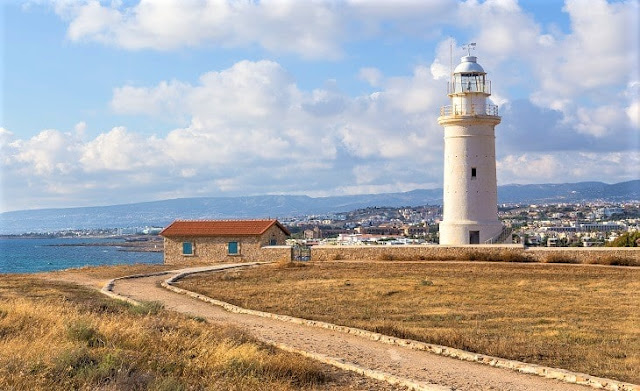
162	212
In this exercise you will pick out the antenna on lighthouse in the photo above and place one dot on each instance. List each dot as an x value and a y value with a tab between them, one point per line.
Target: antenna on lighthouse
451	59
470	46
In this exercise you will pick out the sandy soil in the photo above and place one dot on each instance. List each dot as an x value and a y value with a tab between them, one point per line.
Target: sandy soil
398	361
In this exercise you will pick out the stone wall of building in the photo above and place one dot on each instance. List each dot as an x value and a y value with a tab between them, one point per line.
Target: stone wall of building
509	253
273	233
215	249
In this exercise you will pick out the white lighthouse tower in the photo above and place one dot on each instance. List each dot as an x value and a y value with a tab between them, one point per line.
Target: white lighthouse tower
470	199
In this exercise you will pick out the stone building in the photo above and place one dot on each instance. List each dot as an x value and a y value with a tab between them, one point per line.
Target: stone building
210	241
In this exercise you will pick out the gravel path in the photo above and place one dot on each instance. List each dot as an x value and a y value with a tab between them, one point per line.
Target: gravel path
422	367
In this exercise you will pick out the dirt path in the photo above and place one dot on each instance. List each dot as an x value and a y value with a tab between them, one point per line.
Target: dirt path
395	360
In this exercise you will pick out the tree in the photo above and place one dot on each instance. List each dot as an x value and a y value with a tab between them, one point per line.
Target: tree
629	239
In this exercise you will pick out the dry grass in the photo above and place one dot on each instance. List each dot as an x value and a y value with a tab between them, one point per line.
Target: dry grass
113	271
582	318
56	336
97	276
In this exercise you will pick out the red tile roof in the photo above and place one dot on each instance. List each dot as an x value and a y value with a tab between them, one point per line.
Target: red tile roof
220	228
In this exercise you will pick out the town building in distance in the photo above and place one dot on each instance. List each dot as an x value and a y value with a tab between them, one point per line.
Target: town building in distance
555	225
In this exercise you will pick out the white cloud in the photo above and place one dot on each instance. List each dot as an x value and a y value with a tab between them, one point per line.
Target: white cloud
597	53
49	152
310	29
159	100
250	129
568	166
91	20
532	168
5	137
599	122
119	150
633	112
255	110
373	76
80	129
503	29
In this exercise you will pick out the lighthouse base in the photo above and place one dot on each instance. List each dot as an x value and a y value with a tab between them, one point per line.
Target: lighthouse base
468	232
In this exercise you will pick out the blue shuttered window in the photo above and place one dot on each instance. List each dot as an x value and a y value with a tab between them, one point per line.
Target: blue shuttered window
187	248
233	248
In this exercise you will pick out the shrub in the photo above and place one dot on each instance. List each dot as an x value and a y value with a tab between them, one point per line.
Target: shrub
390	293
73	362
474	256
290	265
230	276
395	331
510	256
618	261
167	384
147	308
108	369
385	257
559	258
82	331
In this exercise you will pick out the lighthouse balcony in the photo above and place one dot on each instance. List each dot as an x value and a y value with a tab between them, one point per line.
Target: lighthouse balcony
471	109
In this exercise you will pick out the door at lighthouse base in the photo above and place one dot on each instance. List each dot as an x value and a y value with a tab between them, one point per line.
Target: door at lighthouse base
474	237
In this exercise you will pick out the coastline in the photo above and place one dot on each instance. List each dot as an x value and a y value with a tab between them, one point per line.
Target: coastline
21	255
127	244
131	246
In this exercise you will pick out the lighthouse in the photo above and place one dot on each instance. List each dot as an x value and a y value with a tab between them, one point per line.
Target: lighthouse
470	211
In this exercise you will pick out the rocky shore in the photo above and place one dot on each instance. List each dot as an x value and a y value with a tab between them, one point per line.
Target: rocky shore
144	244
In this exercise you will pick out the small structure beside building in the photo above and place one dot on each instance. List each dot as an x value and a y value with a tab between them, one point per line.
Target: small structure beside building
211	241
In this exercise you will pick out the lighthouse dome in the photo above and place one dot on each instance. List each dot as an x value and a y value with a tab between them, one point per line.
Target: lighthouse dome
468	64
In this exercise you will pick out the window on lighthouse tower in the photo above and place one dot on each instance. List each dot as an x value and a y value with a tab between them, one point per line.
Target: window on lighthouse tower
473	173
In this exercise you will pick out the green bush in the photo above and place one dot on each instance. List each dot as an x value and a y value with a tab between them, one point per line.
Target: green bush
82	331
629	239
147	308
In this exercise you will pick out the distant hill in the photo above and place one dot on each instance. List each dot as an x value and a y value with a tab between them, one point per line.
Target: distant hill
569	192
161	213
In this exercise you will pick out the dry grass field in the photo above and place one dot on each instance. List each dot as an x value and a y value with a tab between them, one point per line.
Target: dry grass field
581	318
58	336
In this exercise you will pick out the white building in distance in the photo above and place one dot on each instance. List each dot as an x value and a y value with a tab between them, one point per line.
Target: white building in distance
470	211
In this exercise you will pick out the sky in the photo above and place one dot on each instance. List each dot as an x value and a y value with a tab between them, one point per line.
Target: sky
115	102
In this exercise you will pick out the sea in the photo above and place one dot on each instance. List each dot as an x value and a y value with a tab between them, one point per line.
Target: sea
22	255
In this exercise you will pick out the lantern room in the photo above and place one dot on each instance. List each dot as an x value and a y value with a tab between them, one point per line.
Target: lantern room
469	77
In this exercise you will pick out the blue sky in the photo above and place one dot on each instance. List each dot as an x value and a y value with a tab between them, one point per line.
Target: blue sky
123	101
